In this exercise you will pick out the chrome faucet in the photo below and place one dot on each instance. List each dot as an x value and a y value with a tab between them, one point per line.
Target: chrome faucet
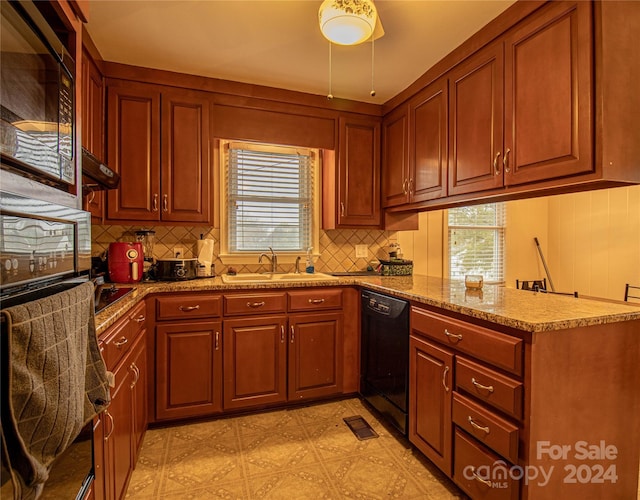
273	259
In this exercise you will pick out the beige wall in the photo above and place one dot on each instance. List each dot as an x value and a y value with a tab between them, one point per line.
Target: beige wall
591	241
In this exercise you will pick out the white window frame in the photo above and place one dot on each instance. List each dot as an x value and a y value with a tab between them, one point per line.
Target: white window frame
499	254
284	257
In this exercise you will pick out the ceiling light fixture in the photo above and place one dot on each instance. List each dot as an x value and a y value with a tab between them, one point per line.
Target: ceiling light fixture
350	22
347	22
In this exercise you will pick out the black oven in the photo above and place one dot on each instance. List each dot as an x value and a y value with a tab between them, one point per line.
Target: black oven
45	248
36	97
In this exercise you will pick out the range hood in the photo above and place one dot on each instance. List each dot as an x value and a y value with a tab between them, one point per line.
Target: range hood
98	171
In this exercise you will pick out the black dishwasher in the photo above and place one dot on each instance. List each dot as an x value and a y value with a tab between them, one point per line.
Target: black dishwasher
384	367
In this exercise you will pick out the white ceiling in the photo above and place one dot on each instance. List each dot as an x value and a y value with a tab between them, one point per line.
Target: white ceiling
279	44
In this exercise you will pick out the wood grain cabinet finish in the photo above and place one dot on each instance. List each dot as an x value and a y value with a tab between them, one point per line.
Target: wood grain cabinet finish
430	393
169	185
539	77
255	361
315	355
188	368
352	176
415	148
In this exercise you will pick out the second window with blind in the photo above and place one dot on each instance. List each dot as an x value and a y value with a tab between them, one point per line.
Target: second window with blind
476	241
268	198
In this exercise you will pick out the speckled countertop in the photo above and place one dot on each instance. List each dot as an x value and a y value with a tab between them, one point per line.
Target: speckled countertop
520	309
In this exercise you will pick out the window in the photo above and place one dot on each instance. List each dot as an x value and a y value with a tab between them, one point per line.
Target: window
268	199
476	241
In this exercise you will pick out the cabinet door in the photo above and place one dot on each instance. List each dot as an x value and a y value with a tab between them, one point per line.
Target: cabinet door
315	355
475	121
255	361
133	150
138	367
92	107
428	117
548	95
395	151
188	369
359	173
119	442
430	386
186	172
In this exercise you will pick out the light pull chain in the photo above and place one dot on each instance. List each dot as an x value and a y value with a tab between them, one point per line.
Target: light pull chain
329	95
373	92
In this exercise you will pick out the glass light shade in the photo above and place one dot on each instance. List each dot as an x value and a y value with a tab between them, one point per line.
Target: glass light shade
347	22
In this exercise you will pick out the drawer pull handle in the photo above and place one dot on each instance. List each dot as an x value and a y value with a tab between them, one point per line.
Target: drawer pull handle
282	334
457	336
189	308
444	378
293	334
488	388
495	163
217	341
139	319
121	342
136	374
482	480
316	301
476	426
255	304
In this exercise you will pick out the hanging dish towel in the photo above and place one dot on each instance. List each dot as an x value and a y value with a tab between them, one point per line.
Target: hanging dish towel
54	381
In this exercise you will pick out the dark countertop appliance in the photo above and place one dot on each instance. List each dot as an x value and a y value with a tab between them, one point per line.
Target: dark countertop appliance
384	368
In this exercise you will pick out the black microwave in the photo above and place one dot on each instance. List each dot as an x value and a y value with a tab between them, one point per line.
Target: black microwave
36	97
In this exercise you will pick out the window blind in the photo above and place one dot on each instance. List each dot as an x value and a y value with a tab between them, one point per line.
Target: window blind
476	241
269	198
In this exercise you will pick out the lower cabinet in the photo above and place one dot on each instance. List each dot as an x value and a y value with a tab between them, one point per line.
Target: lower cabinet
119	430
315	356
255	361
430	395
188	369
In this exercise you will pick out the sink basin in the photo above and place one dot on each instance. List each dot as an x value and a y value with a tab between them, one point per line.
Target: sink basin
271	278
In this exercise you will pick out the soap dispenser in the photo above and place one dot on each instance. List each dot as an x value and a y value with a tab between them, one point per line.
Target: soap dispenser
309	267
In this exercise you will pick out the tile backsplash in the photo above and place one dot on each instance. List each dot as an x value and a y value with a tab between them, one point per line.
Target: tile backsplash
337	246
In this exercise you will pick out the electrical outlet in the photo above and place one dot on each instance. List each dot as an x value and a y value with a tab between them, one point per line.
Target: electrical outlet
362	251
178	252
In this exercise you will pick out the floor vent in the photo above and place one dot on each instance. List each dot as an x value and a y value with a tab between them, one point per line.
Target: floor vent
360	427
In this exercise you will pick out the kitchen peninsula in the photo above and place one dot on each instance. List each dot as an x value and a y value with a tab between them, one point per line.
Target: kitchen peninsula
537	393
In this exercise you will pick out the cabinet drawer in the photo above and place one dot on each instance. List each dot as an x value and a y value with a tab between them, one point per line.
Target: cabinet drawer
187	307
313	300
137	317
490	386
497	348
486	427
476	472
255	303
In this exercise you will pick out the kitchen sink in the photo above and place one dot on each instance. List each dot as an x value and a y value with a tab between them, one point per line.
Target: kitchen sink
274	277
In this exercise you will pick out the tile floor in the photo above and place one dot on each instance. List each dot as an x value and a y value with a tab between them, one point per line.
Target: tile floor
300	453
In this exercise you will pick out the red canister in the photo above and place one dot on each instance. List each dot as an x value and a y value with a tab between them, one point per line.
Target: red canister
125	262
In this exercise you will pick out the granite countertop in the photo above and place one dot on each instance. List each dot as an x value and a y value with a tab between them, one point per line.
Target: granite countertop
520	309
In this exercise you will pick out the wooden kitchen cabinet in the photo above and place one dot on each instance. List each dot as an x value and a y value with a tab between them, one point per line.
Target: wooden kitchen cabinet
188	365
430	396
351	176
255	361
315	355
158	141
539	78
415	148
123	424
188	369
92	131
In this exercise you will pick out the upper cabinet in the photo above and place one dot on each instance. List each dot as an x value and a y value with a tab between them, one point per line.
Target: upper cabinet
538	77
533	109
351	175
158	141
415	148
